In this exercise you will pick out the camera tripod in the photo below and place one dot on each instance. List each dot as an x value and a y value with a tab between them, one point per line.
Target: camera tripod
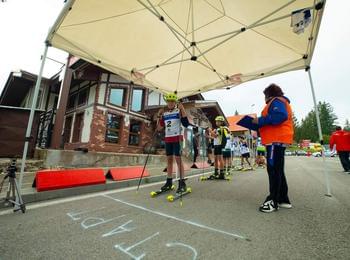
13	194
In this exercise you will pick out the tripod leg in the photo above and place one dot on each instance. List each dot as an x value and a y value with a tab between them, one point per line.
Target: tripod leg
18	193
13	189
19	204
8	193
2	184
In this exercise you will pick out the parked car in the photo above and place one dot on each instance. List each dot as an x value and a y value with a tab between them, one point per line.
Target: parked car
327	153
288	153
300	153
316	154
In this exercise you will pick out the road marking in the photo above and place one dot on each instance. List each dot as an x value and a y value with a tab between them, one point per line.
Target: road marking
236	236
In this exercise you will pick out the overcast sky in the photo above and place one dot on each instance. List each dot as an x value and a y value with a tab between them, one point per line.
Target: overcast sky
24	25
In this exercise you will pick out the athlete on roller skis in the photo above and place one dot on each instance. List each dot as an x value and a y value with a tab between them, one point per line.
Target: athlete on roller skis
170	119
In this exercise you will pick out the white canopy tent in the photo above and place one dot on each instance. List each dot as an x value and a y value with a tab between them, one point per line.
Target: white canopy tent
188	46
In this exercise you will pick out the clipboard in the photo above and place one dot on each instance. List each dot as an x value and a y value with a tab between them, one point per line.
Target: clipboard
246	122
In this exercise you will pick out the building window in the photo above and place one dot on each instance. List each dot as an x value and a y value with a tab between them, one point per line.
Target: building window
78	127
153	98
137	100
117	96
113	128
71	101
83	97
67	129
134	132
38	101
162	101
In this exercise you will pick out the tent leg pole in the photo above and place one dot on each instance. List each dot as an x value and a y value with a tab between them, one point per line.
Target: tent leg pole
319	134
31	115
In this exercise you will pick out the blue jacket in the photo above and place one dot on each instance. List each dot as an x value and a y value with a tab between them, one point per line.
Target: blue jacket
276	115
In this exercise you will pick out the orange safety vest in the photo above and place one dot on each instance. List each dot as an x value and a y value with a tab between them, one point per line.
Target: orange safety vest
282	133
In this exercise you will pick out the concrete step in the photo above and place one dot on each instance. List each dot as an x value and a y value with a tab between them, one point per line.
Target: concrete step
30	166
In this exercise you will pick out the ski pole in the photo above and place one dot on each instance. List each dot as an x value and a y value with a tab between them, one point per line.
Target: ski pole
144	166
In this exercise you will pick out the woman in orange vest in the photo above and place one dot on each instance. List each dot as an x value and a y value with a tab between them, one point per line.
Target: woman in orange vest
276	132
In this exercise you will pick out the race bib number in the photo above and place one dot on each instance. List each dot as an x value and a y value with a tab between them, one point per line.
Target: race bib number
217	140
172	123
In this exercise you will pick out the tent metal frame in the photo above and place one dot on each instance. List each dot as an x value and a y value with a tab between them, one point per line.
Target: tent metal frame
193	46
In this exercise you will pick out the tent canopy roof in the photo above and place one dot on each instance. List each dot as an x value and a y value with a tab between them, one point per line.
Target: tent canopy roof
188	46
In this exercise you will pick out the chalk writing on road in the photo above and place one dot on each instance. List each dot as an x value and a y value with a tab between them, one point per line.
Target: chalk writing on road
126	250
74	215
93	222
87	222
120	229
184	245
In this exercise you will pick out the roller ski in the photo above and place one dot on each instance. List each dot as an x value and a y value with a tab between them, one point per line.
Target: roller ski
250	168
181	191
229	171
215	176
168	186
238	168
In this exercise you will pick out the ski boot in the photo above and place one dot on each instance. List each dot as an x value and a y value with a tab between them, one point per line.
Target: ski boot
221	175
213	176
182	187
168	185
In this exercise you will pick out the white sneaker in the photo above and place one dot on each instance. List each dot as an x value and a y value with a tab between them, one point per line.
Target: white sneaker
268	206
285	205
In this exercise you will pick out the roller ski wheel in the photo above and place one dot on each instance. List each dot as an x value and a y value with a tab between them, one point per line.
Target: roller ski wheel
177	196
158	192
206	178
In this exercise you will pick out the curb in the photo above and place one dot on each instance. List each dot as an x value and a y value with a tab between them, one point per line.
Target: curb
63	193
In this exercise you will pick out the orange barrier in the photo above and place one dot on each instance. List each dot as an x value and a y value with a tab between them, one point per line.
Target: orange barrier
200	165
67	178
126	173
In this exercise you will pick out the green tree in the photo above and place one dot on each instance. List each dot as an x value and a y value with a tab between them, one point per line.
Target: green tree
236	113
327	118
297	136
308	126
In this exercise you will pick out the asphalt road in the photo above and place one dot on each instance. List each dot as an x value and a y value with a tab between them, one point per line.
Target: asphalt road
218	220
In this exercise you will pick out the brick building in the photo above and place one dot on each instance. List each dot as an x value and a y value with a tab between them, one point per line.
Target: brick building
94	109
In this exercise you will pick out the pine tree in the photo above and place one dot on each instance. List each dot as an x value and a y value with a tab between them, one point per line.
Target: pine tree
297	136
308	126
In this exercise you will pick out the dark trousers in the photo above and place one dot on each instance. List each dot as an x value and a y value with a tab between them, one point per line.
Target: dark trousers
195	153
277	178
344	159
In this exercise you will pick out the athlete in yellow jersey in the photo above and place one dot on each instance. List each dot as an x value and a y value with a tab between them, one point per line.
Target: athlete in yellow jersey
220	138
